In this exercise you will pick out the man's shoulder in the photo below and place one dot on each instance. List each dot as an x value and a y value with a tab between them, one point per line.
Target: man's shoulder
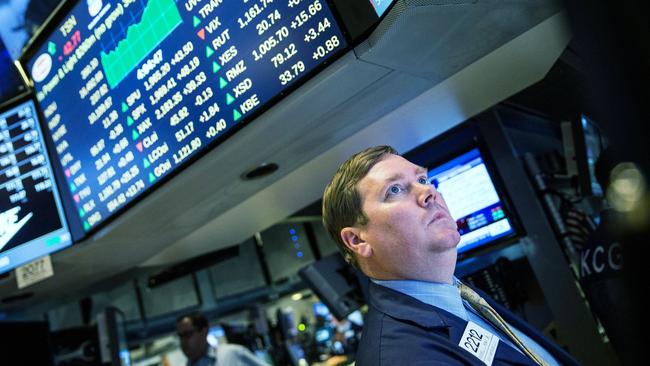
390	341
231	348
235	354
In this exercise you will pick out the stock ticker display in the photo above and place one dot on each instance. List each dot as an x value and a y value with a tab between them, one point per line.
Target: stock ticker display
32	223
131	89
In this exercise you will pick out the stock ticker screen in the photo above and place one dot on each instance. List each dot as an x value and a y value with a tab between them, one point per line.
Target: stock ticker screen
32	222
131	89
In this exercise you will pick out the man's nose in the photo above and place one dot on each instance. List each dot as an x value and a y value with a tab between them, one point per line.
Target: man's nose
427	195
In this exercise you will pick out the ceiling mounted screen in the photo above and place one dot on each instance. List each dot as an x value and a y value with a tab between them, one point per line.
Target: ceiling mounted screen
32	221
133	89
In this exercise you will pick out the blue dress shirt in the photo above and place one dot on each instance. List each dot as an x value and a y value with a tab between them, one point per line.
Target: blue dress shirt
447	297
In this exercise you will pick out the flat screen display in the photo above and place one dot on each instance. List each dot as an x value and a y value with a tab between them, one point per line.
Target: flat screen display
32	222
286	250
239	274
133	89
473	201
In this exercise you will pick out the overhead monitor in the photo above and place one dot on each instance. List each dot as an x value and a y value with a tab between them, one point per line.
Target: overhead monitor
324	241
469	190
134	89
32	221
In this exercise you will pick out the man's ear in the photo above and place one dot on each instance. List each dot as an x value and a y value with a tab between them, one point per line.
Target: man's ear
352	237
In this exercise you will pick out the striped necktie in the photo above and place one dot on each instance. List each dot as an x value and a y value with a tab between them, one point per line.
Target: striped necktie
479	304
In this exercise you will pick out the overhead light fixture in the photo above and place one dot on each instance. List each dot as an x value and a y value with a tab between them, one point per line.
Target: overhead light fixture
260	171
627	188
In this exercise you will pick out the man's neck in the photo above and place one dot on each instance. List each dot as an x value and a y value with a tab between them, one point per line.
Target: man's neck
203	354
439	269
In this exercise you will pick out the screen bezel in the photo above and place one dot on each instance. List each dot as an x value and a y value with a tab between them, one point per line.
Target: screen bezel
50	26
63	199
452	144
69	210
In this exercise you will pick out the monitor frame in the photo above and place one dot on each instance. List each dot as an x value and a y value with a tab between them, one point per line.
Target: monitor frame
51	25
63	199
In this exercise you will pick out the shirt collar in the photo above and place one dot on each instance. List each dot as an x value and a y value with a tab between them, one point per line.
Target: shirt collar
441	295
208	359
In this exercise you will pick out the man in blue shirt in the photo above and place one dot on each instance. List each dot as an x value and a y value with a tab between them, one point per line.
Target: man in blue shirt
396	228
192	329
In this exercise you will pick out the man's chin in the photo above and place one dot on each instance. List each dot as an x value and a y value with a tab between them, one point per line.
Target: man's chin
448	239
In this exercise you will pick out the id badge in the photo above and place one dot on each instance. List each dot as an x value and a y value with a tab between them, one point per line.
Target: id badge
479	342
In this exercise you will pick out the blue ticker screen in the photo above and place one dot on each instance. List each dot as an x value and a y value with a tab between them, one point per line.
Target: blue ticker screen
32	222
132	89
473	201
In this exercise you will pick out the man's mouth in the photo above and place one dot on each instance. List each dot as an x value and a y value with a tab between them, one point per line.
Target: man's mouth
437	216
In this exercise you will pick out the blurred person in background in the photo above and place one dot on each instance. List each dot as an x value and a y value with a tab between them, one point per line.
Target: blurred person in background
192	330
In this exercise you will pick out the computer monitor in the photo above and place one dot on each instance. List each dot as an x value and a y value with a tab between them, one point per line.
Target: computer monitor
323	335
238	274
286	249
286	323
76	346
32	219
468	187
134	90
296	353
238	333
340	287
111	330
320	309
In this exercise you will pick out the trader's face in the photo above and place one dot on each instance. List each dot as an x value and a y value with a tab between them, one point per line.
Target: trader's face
408	220
194	342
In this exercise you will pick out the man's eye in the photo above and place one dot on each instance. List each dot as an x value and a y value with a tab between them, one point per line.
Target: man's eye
423	180
394	190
